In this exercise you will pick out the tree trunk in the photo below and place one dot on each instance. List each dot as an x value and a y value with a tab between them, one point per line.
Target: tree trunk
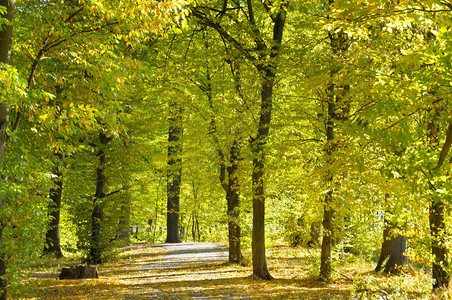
232	197
124	219
296	238
437	230
229	181
174	173
440	263
3	137
126	200
392	250
156	209
258	145
338	110
6	34
327	238
328	211
96	247
315	232
53	245
258	241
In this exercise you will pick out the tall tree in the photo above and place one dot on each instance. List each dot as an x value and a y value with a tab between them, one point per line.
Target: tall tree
6	35
264	56
229	159
229	179
53	237
338	110
440	271
96	248
174	172
268	71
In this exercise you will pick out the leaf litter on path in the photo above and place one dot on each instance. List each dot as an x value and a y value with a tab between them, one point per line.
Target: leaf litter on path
190	271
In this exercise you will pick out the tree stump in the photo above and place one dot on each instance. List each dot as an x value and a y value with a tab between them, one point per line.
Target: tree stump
79	272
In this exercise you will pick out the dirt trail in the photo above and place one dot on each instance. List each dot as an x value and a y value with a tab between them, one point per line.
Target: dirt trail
187	271
188	255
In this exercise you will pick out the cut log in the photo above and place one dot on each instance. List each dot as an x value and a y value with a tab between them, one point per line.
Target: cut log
79	272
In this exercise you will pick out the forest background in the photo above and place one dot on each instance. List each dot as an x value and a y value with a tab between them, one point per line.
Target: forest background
252	122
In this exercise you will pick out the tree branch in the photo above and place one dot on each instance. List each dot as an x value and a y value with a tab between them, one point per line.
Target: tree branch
260	44
204	20
124	188
266	6
446	147
74	14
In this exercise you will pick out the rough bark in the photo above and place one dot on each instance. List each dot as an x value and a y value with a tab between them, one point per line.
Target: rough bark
328	211
6	34
327	238
260	268
96	247
439	251
437	224
258	239
53	245
232	197
392	250
338	110
268	71
174	174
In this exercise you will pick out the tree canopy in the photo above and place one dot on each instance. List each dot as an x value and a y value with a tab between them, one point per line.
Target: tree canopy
322	123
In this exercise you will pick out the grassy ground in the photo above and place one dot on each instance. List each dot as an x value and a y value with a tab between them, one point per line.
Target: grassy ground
294	269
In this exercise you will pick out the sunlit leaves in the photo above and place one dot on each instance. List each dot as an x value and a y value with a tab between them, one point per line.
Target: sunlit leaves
13	86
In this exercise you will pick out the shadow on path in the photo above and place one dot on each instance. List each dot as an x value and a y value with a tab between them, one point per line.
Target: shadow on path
189	271
188	255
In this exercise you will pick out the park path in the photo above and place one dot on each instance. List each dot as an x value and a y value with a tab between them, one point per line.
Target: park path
188	255
186	271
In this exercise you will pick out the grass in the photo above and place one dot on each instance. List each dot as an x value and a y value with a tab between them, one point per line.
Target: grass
294	270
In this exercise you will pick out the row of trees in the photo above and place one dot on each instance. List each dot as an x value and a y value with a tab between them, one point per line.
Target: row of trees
322	112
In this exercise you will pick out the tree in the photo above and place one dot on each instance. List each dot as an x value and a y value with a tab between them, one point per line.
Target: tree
53	244
6	35
230	158
126	203
264	57
95	251
268	71
60	32
440	272
174	173
338	110
392	255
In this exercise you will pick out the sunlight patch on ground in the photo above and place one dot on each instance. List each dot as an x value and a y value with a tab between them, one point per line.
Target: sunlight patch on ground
199	271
